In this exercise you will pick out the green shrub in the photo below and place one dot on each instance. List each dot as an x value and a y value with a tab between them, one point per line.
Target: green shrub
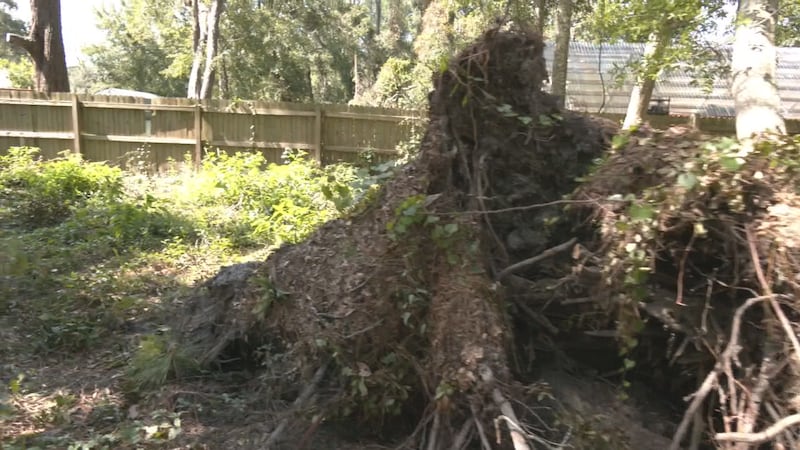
39	192
242	198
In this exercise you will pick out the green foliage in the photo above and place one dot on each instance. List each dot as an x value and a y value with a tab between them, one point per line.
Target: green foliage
144	42
20	73
252	203
787	28
156	361
43	193
682	26
9	24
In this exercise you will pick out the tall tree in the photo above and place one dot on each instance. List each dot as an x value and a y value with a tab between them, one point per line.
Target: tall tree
650	69
205	45
753	65
45	46
561	52
148	47
673	31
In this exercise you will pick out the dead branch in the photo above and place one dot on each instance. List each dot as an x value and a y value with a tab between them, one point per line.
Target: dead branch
700	395
517	435
537	317
299	402
767	290
21	41
763	436
541	256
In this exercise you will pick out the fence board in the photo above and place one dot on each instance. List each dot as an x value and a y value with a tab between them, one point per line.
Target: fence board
153	132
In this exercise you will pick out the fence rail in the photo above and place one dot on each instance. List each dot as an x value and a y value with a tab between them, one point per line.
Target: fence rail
126	129
119	129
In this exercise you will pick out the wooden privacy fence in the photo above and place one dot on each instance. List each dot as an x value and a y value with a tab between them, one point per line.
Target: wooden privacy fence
122	130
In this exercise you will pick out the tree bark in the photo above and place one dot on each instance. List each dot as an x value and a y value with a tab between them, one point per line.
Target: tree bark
212	43
198	42
646	81
45	46
541	15
754	89
561	52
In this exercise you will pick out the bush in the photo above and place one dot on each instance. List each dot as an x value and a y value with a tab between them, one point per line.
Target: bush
251	203
43	193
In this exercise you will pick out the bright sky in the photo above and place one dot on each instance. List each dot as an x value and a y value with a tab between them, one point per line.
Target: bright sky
79	26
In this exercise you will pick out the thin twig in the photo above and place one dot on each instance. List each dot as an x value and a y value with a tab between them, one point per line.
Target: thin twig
700	395
533	206
682	269
541	256
485	445
761	437
767	288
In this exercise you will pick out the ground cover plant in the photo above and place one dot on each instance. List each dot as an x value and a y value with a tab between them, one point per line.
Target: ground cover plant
94	258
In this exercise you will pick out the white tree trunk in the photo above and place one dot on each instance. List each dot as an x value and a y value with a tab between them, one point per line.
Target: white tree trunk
198	43
754	88
212	43
646	82
561	52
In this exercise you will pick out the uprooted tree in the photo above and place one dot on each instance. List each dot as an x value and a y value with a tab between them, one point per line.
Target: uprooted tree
439	299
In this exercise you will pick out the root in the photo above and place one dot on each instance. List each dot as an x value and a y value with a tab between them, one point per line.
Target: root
723	365
518	437
531	261
298	404
759	438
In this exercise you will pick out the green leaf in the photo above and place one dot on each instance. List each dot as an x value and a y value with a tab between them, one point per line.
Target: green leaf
640	212
731	163
687	180
629	364
451	228
619	141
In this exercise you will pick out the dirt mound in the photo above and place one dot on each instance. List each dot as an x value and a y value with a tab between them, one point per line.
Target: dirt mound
485	263
400	299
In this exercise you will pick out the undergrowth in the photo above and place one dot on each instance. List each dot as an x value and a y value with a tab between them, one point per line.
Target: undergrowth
89	245
94	258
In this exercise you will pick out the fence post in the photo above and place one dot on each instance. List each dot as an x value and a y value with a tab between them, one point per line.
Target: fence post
318	133
76	125
198	134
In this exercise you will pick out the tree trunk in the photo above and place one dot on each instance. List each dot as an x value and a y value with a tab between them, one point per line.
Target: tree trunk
541	15
646	81
212	43
755	92
45	46
378	16
561	53
198	42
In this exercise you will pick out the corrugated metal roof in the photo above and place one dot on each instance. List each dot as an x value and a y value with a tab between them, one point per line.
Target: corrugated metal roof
585	88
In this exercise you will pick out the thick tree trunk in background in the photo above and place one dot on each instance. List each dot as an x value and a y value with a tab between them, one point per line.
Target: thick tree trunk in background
561	53
541	15
754	89
645	84
378	16
198	42
45	45
212	44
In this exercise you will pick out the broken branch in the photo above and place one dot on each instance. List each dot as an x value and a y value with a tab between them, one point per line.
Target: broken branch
763	436
531	261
